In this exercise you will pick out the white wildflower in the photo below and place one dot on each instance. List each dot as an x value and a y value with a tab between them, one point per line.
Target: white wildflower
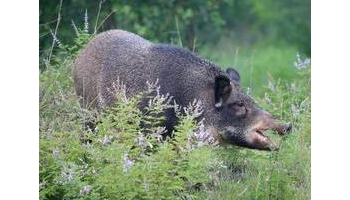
85	190
106	140
128	163
300	64
267	99
86	23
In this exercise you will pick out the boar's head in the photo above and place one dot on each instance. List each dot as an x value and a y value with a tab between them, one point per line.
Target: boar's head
239	120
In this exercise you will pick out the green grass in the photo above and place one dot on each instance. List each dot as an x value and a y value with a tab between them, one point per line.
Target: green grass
72	169
255	63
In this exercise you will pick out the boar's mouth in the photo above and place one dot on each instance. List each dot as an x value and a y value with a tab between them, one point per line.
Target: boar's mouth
258	140
254	138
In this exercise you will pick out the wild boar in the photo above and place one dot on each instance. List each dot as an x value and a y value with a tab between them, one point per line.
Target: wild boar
117	55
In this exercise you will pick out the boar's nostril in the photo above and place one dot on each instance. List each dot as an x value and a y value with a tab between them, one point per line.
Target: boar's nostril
288	127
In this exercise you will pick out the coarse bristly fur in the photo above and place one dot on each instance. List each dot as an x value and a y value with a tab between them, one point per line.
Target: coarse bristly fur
118	55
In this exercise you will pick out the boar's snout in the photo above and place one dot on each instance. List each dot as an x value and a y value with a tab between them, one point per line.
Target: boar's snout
282	129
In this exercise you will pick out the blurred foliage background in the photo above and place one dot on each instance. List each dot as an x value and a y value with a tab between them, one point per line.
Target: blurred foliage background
192	24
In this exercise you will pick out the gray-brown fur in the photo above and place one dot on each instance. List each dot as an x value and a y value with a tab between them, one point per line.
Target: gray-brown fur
118	55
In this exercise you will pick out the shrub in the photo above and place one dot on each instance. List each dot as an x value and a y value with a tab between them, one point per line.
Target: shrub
125	160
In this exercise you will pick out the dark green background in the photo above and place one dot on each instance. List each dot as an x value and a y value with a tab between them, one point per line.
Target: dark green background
197	22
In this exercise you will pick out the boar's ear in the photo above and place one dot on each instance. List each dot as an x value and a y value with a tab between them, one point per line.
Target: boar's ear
233	74
223	90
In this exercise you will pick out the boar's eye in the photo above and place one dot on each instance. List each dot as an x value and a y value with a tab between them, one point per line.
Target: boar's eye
238	108
240	104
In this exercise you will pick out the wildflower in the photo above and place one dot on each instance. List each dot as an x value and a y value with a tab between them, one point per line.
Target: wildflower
300	64
177	108
267	99
55	153
86	23
119	88
85	190
293	87
67	176
141	141
271	86
145	186
194	109
201	136
67	173
159	101
128	163
42	184
160	131
55	39
106	140
249	91
295	110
